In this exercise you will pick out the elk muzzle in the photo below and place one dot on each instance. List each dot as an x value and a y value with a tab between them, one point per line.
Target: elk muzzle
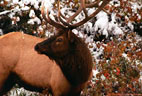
39	49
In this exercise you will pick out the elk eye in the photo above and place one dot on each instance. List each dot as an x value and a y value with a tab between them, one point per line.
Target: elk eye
59	40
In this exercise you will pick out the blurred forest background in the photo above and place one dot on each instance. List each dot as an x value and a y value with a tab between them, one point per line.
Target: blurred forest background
113	36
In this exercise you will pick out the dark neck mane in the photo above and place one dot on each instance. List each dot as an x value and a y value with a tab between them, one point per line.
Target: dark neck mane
77	64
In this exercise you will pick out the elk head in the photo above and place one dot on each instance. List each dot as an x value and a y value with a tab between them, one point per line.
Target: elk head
60	44
66	48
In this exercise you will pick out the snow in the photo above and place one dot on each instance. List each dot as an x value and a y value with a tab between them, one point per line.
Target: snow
135	6
25	8
23	3
95	72
103	77
140	80
34	20
32	13
15	1
75	31
48	34
19	91
130	25
5	12
1	32
48	4
102	25
102	22
89	26
97	53
90	11
126	57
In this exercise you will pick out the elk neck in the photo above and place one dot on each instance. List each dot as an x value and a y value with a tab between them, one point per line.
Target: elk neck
75	65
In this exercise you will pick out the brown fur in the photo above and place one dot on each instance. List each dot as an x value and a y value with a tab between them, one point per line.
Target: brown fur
20	63
71	54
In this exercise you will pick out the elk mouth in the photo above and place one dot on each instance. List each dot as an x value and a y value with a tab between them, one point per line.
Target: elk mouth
39	49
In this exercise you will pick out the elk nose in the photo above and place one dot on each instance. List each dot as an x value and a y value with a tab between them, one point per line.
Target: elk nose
37	47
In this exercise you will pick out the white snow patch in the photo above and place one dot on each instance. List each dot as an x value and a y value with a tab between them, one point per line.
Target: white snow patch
125	56
15	2
34	20
1	32
95	72
102	23
75	31
32	14
25	8
5	12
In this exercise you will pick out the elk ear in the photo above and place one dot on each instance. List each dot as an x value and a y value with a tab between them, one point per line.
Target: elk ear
70	36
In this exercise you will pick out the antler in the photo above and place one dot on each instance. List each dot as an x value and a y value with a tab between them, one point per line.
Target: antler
64	22
50	21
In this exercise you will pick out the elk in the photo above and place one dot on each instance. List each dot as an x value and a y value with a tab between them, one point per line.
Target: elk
60	65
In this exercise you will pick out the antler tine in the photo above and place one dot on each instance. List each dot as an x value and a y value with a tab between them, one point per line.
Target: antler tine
105	2
84	7
94	4
60	16
65	24
50	21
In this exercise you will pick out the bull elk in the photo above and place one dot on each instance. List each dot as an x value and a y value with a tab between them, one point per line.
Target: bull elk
60	65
